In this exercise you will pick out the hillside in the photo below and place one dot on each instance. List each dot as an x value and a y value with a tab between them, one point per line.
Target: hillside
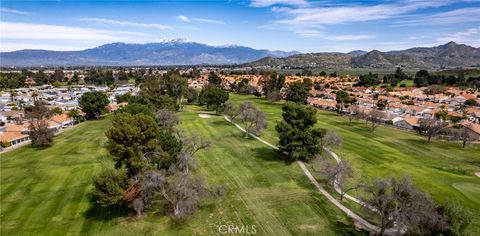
450	55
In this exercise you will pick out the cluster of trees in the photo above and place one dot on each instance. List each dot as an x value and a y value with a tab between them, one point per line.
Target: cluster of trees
399	204
253	119
272	87
243	87
93	104
154	164
298	91
422	78
166	91
11	80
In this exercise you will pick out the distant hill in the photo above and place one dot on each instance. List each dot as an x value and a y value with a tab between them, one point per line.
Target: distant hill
450	55
173	52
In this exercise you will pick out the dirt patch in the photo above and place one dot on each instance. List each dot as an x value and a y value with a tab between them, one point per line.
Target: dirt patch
204	116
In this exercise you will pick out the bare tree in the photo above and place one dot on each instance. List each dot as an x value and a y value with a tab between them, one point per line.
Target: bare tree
38	116
230	110
39	132
464	134
274	96
336	174
183	192
401	203
331	139
354	113
253	119
430	127
186	158
383	201
376	118
166	118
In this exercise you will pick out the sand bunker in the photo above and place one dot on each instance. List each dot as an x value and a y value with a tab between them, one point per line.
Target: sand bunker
205	116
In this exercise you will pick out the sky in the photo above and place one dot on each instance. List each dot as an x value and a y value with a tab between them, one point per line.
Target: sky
288	25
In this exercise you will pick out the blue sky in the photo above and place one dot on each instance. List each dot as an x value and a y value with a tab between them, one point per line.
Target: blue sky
306	26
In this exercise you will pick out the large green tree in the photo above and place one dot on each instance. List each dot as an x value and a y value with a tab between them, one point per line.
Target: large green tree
93	104
213	97
298	138
130	138
297	92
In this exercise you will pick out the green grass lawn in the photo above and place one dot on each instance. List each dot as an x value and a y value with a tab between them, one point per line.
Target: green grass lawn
47	191
436	168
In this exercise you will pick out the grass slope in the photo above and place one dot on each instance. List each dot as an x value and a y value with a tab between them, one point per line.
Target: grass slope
46	191
444	170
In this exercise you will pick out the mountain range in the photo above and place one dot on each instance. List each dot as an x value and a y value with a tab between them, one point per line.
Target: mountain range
172	52
180	52
450	55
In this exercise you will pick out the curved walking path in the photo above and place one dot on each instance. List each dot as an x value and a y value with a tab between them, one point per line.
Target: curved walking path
359	221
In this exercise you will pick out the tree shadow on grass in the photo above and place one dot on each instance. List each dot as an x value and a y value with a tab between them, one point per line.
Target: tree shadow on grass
99	213
267	154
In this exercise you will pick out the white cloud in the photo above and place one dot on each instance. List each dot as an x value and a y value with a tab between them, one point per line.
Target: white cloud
13	11
26	31
125	23
470	37
315	20
183	18
267	3
463	15
189	20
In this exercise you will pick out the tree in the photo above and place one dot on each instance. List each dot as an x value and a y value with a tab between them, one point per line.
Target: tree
430	127
93	104
214	98
74	114
298	138
464	133
471	102
274	96
137	108
110	187
331	139
175	85
214	79
382	104
354	113
253	119
343	99
39	132
129	138
434	89
297	92
183	193
336	174
274	84
192	95
230	110
376	118
399	202
166	119
153	91
58	75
